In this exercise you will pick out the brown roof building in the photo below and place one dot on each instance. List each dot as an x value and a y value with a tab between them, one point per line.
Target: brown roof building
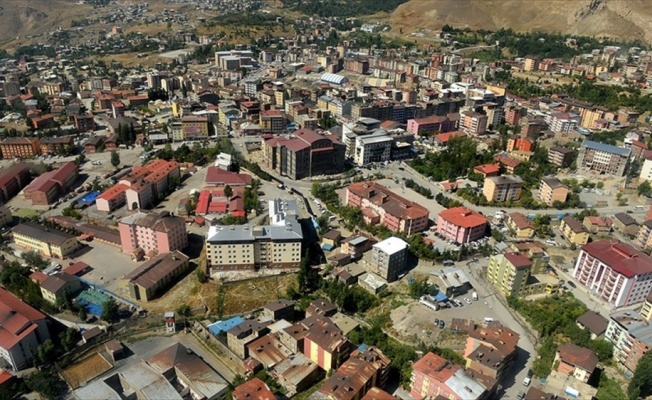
13	180
155	275
254	389
577	361
594	322
56	145
48	187
20	147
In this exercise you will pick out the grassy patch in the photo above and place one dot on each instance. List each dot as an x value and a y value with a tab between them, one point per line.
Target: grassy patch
26	213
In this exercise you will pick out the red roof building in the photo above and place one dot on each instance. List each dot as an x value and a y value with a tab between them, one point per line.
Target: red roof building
254	389
21	327
461	225
435	377
487	170
615	271
48	187
577	361
396	213
213	201
219	177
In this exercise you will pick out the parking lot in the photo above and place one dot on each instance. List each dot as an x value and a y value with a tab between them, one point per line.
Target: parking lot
108	265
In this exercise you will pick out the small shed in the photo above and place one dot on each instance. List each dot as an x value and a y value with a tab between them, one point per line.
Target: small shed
115	349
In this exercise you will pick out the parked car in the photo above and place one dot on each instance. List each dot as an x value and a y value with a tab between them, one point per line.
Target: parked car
572	284
467	300
442	324
436	321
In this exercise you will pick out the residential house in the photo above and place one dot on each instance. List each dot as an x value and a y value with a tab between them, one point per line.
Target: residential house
491	351
594	322
279	309
57	286
502	188
597	225
253	389
578	362
434	376
238	337
625	224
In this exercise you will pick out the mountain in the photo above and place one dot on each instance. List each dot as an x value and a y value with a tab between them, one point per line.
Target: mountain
24	17
618	19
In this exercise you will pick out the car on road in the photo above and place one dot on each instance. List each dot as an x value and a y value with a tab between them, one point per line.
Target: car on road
520	395
526	381
401	169
572	284
530	374
467	300
442	324
436	321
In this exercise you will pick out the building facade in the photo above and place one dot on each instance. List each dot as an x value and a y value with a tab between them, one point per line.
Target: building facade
603	158
502	188
20	147
434	376
389	258
380	204
52	243
614	271
154	233
154	276
551	190
461	225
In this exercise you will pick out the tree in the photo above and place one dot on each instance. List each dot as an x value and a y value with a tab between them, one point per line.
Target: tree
34	259
46	383
184	311
324	226
641	383
109	310
644	189
228	192
82	314
46	351
201	275
115	159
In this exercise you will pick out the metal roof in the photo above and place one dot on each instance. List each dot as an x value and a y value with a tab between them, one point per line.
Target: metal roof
607	148
245	233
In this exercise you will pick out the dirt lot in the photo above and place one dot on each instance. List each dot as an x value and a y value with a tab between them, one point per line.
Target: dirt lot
232	298
86	370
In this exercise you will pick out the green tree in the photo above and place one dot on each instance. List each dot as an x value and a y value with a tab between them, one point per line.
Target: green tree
201	275
115	159
228	192
644	189
324	226
82	314
46	351
46	383
641	383
109	310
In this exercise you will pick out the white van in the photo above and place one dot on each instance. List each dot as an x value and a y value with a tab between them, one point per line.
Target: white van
488	319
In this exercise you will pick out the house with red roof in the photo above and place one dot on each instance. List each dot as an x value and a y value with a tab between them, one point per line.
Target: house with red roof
435	377
487	170
21	327
381	204
461	225
576	361
213	201
442	139
615	271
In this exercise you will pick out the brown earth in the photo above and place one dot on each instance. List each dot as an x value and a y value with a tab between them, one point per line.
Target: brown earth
621	19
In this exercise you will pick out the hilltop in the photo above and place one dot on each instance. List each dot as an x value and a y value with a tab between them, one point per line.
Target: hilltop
625	20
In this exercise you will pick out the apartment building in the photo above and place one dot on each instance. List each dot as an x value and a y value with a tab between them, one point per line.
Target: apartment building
20	147
194	127
512	115
461	225
502	188
381	205
615	271
233	60
56	145
625	224
373	148
47	188
646	169
239	336
573	231
473	124
597	225
22	329
531	64
430	125
13	179
273	121
325	344
603	158
306	154
644	235
491	351
252	248
433	376
153	277
563	122
152	233
517	275
551	190
561	156
520	225
389	258
52	243
630	332
519	143
363	371
112	198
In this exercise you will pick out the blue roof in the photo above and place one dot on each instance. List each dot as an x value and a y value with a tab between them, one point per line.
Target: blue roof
327	247
223	326
440	296
362	348
606	148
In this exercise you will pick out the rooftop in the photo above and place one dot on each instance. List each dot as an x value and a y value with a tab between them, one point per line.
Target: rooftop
268	350
578	356
159	222
464	217
607	148
17	319
54	283
253	389
521	221
620	256
41	233
391	245
150	273
574	225
553	182
392	203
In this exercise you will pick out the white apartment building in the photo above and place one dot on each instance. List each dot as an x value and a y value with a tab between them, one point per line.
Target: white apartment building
376	147
563	122
646	169
615	271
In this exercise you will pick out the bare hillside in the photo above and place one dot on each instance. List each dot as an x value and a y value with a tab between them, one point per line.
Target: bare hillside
622	19
24	17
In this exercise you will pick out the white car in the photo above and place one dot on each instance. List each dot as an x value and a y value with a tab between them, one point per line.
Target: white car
467	300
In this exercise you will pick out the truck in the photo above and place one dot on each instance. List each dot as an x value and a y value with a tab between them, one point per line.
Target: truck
475	296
